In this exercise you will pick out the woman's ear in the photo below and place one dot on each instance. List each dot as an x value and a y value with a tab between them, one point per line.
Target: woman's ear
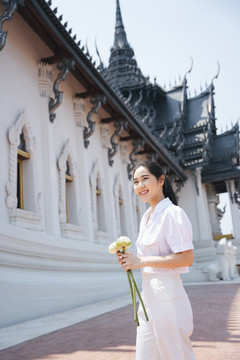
162	178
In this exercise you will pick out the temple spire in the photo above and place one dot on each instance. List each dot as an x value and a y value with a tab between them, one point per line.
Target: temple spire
122	68
120	40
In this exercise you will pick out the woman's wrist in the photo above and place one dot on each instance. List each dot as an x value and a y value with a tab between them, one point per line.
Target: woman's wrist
142	262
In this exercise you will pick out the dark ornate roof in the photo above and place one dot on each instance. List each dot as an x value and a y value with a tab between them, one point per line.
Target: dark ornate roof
185	126
122	69
179	130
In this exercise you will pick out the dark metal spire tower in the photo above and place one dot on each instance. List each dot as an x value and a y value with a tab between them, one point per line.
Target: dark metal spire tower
123	69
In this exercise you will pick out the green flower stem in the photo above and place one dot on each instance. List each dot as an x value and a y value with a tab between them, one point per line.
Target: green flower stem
130	284
135	305
133	293
139	295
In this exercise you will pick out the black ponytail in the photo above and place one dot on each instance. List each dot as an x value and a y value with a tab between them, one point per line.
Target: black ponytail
155	169
168	191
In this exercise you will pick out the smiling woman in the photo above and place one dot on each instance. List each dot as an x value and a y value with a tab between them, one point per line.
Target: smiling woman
165	251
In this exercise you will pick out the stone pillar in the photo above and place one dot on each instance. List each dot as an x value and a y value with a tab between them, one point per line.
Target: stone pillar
234	209
108	183
213	201
49	164
202	208
85	194
127	190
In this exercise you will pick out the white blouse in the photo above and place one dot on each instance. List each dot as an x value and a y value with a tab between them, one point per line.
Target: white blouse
168	231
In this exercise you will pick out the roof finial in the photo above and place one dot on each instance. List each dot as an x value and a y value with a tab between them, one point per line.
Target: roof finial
189	70
119	22
120	40
101	66
216	76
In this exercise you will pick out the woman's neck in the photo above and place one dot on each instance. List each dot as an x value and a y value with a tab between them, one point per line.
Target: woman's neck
154	202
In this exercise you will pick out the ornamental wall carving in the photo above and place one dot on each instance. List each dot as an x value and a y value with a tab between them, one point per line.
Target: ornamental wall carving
124	152
104	133
79	112
45	79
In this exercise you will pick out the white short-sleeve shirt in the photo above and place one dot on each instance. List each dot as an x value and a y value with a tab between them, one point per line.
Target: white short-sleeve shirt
168	231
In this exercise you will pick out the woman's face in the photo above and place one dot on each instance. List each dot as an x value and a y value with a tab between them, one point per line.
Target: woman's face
147	187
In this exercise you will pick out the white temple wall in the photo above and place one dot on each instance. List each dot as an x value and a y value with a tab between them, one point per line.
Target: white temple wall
43	271
188	201
196	206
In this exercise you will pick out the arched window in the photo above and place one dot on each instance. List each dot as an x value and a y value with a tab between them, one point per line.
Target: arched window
69	192
101	221
23	198
22	156
69	200
98	205
122	212
119	208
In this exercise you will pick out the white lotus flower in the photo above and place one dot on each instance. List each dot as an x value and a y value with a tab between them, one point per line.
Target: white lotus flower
123	241
113	248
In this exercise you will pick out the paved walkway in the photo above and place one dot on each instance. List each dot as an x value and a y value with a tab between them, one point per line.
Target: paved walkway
111	336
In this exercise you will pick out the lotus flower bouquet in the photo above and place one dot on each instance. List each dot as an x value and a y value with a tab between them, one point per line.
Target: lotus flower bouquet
122	244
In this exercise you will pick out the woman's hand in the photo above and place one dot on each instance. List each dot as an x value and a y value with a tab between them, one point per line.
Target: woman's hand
129	261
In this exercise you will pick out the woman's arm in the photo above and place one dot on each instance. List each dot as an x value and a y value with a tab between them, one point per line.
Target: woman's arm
131	261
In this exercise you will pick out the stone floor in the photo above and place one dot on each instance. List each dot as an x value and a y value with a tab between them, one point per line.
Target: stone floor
111	336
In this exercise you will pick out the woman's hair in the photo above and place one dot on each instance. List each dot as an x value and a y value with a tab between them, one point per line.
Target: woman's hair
155	169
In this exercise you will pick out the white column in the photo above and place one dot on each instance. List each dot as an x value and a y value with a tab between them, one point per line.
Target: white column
85	193
108	183
49	165
127	192
213	201
234	209
202	209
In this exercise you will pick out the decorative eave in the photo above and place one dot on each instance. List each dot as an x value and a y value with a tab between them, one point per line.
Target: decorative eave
221	175
43	20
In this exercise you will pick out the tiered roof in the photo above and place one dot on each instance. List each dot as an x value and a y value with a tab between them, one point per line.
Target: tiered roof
185	126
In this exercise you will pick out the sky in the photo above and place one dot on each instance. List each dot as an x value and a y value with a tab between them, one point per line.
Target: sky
165	35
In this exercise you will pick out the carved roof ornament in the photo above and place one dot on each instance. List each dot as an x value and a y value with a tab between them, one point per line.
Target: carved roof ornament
137	144
100	66
11	6
182	105
96	100
211	111
188	71
119	125
63	66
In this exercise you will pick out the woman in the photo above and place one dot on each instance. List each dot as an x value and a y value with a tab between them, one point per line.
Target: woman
164	250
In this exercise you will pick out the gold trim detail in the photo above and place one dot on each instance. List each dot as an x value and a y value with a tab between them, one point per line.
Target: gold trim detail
68	178
23	155
219	237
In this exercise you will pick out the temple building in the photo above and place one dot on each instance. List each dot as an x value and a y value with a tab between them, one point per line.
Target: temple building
71	133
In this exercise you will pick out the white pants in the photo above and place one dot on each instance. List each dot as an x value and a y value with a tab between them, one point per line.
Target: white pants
166	335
